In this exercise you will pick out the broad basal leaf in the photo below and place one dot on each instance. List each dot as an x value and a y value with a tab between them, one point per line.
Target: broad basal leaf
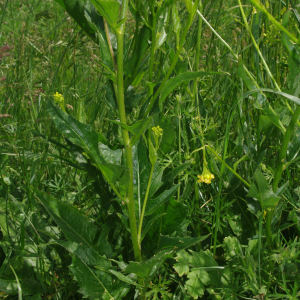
77	227
78	133
94	273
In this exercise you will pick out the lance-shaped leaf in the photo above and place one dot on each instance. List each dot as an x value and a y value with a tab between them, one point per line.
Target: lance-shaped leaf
261	191
181	78
154	204
75	8
84	136
78	133
94	273
77	227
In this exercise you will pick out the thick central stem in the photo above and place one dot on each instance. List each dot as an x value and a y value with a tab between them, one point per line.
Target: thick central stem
125	134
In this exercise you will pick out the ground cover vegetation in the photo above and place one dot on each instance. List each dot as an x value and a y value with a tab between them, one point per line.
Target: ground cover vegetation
149	149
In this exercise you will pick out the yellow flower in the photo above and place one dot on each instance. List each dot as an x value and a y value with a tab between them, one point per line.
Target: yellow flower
59	99
206	176
157	131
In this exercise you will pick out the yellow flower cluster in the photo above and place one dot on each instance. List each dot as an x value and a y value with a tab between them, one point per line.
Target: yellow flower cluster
157	131
59	98
206	176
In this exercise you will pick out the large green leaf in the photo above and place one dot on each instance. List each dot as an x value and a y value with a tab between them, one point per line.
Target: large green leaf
261	191
77	227
28	286
84	136
75	8
94	273
175	219
78	133
181	78
154	204
132	65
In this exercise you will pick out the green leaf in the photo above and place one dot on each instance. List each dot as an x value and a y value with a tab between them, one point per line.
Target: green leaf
154	204
156	179
97	22
94	273
141	174
137	129
152	153
183	265
179	79
169	177
78	133
194	285
176	21
75	8
265	123
109	9
149	224
84	136
77	227
261	191
109	155
175	219
133	66
168	138
29	286
168	246
203	259
179	243
273	117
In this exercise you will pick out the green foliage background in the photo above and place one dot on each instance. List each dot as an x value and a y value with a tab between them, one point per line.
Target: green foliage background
222	81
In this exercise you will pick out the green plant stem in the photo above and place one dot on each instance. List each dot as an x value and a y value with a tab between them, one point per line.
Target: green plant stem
144	207
230	169
198	48
174	62
260	54
125	134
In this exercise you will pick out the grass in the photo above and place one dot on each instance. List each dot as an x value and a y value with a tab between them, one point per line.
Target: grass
243	137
